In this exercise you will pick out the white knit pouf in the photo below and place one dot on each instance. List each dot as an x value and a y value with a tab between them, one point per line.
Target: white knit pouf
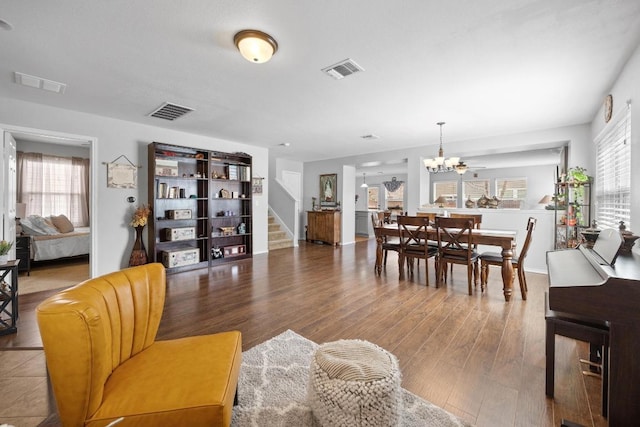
354	383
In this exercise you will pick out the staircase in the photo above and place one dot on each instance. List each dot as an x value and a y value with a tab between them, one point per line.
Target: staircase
278	239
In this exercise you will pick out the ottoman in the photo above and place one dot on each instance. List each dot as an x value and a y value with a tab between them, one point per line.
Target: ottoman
354	383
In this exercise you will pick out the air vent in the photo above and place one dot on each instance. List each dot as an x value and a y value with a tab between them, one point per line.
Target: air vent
370	136
168	111
342	69
39	82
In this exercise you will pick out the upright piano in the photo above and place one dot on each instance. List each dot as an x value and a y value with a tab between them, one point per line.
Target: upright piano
602	284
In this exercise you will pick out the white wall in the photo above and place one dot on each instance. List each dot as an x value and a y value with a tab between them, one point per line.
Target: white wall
117	137
53	149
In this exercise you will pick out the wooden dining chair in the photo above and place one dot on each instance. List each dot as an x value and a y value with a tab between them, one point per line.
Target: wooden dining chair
477	221
495	258
413	243
388	244
455	247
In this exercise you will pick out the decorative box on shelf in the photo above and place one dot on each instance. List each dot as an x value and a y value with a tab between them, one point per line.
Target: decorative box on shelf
180	233
227	231
179	214
180	257
234	250
166	167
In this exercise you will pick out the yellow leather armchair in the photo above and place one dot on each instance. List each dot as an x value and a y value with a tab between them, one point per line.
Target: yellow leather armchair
105	363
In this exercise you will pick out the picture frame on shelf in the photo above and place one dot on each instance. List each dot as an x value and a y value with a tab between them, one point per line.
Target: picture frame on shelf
328	190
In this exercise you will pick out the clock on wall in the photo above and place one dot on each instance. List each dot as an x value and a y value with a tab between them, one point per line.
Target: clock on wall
608	108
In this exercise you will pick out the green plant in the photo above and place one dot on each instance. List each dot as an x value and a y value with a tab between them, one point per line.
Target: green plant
5	247
578	174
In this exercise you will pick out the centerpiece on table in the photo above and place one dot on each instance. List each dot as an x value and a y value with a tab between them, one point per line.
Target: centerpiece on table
138	221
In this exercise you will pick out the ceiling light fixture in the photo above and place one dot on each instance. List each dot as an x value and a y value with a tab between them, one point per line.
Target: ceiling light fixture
255	46
440	164
364	181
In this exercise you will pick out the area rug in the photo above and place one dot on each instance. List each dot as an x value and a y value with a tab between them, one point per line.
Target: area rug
272	389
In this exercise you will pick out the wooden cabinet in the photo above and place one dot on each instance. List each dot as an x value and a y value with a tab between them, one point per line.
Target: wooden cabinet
324	226
201	206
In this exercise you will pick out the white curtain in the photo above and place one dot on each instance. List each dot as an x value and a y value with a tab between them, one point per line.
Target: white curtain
52	185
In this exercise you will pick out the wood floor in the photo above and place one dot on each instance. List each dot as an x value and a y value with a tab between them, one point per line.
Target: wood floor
476	356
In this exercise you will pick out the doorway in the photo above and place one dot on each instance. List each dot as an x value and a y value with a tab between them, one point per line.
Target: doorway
60	139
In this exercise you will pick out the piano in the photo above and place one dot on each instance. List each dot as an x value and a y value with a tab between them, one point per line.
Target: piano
603	284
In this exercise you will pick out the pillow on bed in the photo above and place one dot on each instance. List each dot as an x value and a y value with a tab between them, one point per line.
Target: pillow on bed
62	223
37	226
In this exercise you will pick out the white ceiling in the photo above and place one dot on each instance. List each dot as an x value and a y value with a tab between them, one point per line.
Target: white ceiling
486	67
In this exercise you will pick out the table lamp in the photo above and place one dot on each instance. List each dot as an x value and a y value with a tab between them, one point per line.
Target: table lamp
440	201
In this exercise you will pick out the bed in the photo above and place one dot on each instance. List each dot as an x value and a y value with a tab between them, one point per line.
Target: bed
55	237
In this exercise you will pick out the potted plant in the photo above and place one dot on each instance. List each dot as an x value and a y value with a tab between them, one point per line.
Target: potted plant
5	247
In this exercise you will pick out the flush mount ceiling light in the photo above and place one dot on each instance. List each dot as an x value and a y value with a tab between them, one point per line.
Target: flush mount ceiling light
440	164
255	46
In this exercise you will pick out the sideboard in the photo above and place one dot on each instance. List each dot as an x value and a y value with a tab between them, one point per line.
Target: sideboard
324	226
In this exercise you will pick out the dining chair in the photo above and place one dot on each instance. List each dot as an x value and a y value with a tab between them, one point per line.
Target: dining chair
454	246
477	221
388	244
413	244
495	258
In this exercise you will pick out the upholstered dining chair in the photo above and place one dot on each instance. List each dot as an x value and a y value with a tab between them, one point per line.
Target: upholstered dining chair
413	243
454	246
388	244
106	366
495	258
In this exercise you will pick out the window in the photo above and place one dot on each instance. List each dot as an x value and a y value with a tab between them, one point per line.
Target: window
52	185
511	192
613	174
395	199
447	189
373	202
475	189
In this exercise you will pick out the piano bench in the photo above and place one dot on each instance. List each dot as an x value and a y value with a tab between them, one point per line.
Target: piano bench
595	332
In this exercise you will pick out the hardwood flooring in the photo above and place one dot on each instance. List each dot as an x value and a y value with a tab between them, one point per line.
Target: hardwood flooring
476	356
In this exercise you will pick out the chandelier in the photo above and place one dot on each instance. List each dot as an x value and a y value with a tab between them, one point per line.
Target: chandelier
440	164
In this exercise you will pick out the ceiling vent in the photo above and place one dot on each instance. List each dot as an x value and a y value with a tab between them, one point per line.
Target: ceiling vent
370	136
169	111
343	69
39	83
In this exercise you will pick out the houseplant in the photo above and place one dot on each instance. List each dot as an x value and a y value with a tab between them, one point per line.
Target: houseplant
5	247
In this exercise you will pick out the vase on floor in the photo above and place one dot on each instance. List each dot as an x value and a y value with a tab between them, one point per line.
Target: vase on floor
139	253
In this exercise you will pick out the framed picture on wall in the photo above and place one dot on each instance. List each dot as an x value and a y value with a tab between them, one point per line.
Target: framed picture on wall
328	190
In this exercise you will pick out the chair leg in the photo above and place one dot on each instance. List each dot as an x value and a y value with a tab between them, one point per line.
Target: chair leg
523	283
484	274
426	269
385	259
469	278
476	273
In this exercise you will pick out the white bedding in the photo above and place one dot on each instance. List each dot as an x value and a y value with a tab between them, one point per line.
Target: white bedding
61	245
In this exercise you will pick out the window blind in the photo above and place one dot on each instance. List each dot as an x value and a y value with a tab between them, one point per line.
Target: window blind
475	189
448	189
613	174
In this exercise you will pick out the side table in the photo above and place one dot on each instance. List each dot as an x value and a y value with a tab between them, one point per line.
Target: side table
23	253
9	297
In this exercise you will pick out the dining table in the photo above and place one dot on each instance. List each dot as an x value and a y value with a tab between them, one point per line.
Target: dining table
505	239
